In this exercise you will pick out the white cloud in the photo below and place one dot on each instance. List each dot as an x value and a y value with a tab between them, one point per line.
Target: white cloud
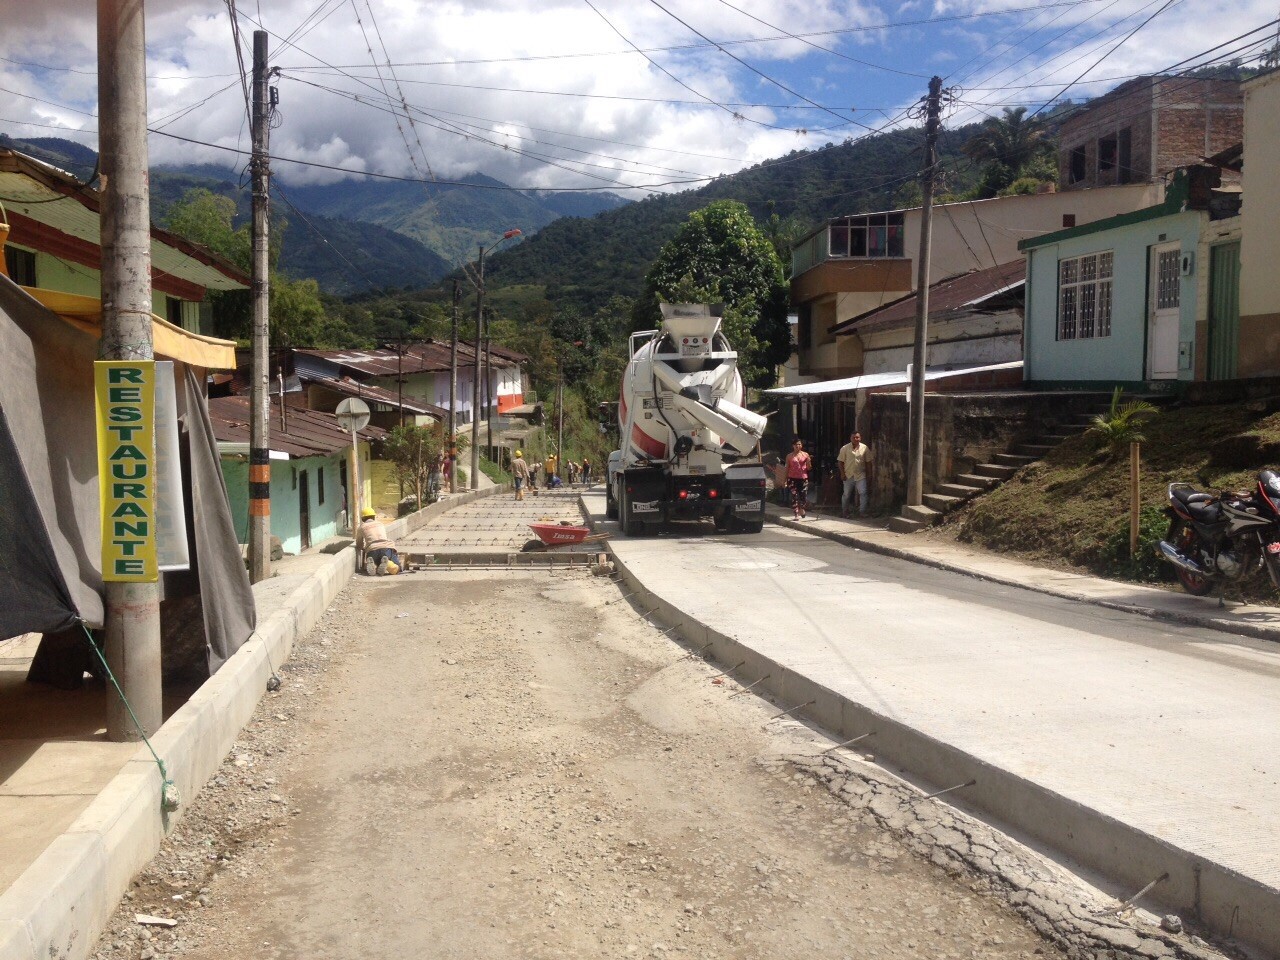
470	70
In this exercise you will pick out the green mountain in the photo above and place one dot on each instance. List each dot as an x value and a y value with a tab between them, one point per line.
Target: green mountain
584	262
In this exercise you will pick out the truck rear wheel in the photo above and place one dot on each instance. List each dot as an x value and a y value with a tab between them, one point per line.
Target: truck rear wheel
630	525
610	503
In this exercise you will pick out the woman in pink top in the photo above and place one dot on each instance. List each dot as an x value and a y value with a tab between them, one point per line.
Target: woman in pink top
798	464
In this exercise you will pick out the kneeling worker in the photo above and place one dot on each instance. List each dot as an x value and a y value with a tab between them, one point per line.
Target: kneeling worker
373	544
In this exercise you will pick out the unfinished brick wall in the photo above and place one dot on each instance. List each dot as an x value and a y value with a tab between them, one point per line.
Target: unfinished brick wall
1147	127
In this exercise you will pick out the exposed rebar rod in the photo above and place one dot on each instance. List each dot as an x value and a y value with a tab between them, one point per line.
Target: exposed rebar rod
850	741
798	706
747	689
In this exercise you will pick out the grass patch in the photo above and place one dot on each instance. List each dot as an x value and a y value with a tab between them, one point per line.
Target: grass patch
1072	508
494	472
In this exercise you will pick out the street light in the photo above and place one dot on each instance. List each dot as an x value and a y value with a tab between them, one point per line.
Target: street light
478	281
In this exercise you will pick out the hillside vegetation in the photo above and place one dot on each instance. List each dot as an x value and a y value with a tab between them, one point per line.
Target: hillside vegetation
1072	507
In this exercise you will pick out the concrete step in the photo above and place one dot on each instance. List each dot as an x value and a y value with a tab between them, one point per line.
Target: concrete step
903	525
922	514
977	480
941	502
1053	439
1014	460
994	470
958	490
1033	450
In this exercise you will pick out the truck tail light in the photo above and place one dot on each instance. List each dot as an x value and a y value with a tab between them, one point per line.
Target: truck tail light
683	494
713	494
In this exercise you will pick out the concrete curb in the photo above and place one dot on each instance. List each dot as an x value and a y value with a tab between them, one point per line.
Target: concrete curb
1206	620
1223	900
62	902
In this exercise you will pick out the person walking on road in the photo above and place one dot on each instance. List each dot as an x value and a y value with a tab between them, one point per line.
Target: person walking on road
519	471
586	471
798	466
854	460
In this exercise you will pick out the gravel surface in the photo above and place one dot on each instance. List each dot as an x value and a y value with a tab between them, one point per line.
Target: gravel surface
499	765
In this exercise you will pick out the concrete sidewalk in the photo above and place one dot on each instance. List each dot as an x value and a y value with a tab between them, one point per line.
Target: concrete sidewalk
80	815
1132	749
1172	605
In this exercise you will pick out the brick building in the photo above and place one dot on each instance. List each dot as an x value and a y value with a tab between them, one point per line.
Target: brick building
1145	128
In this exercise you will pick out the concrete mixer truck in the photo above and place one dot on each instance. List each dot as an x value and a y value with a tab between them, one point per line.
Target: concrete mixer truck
689	449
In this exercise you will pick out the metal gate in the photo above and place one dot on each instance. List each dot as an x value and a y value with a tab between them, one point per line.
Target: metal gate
1224	311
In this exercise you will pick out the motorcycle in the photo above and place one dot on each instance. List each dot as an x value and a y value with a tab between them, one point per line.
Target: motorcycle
1216	539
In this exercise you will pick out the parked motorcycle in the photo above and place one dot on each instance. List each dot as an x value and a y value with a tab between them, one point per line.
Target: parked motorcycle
1214	539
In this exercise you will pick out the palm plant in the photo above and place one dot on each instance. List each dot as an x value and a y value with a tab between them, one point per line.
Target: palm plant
1011	140
1120	425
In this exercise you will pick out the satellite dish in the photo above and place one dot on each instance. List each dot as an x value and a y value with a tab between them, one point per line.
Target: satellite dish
353	414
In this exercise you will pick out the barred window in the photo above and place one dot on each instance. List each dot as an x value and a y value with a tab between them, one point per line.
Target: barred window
1084	297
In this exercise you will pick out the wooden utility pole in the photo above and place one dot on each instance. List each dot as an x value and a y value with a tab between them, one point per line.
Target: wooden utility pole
560	415
132	622
915	456
453	394
1135	496
259	388
475	386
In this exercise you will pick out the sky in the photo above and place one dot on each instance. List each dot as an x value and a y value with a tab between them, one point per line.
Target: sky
632	96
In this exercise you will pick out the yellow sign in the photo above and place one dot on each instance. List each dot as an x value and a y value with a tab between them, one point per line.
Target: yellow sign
125	393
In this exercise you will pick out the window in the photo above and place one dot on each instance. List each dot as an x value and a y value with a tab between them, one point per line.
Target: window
21	265
1107	149
1078	167
871	235
1084	297
173	310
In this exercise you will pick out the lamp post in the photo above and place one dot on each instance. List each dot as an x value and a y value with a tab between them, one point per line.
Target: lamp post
475	386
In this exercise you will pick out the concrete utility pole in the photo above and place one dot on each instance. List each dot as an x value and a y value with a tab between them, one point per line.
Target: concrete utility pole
132	609
488	384
560	415
475	387
915	457
453	395
259	395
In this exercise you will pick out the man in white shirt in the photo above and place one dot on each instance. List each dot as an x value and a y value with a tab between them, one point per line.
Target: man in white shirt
854	459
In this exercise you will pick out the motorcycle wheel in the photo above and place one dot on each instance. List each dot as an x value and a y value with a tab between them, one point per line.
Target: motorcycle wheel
1188	544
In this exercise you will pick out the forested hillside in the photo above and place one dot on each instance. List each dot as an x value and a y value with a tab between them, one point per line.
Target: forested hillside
584	262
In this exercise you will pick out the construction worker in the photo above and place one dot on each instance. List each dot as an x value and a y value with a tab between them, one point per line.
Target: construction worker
374	546
551	465
520	471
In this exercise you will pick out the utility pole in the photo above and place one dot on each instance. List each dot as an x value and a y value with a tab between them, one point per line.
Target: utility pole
400	375
488	383
453	394
475	386
560	415
259	388
132	608
915	457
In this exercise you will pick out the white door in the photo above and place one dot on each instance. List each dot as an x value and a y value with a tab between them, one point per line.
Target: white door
1164	312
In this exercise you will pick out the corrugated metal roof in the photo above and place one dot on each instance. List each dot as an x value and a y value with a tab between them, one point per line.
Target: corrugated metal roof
953	293
56	199
351	388
869	380
429	356
308	433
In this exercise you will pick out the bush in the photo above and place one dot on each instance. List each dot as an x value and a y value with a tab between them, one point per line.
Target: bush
1120	425
1146	566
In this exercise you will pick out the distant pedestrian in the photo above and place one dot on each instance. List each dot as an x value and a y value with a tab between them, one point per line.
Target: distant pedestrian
798	466
854	460
534	468
520	472
573	472
586	471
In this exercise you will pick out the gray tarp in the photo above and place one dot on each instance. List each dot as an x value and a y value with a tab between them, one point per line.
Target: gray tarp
50	540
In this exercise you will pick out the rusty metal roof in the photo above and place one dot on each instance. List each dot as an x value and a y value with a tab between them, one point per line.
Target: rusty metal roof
53	197
968	290
354	388
427	356
307	433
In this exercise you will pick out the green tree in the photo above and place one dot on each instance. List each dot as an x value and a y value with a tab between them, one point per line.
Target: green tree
1006	146
720	255
414	452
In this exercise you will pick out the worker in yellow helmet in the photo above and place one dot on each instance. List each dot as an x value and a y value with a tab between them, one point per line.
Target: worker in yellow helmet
374	546
520	471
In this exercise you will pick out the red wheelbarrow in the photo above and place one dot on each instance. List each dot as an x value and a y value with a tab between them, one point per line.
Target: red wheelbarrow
563	534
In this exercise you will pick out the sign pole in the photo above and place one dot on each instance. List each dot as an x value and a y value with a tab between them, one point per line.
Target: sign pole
132	621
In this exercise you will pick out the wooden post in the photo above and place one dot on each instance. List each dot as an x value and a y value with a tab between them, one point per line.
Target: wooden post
1135	498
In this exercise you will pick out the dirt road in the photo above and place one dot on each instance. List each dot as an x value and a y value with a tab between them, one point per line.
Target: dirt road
495	765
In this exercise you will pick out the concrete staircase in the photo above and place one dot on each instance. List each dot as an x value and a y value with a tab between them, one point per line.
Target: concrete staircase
985	476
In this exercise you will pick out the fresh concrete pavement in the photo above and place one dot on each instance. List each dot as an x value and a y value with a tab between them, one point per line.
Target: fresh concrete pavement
1134	734
79	815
